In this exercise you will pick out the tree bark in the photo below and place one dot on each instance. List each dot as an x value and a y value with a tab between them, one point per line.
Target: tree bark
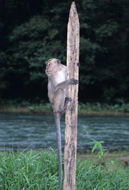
72	107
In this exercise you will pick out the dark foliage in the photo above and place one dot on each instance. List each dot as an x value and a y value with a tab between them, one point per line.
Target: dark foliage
33	31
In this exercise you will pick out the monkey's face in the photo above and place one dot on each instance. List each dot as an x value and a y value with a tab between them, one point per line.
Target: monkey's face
51	66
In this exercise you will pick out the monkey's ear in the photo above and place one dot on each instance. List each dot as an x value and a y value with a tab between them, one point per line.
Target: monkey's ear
58	61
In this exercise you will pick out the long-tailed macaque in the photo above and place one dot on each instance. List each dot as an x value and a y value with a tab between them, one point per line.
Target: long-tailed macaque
57	84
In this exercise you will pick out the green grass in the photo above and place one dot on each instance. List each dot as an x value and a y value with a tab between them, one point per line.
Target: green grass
28	170
34	170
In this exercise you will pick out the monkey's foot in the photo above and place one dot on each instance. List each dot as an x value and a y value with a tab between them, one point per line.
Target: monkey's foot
67	99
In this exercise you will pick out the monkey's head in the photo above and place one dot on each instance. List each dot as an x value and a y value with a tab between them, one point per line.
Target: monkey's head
52	66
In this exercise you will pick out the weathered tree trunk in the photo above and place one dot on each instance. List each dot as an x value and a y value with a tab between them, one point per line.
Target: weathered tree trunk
72	107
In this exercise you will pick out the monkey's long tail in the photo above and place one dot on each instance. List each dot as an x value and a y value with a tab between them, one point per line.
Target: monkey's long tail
58	136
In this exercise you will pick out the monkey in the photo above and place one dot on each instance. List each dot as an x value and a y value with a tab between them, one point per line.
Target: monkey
57	86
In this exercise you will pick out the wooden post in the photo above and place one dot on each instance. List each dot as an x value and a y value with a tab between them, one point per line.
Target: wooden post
72	107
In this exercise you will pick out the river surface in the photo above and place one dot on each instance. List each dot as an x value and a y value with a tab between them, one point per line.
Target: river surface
20	131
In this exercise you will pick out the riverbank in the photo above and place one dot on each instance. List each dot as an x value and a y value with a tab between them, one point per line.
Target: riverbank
37	170
88	109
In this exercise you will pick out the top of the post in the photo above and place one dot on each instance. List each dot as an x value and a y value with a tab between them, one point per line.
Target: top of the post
73	7
73	12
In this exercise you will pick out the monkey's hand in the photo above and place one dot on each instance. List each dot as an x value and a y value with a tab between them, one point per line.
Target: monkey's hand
73	81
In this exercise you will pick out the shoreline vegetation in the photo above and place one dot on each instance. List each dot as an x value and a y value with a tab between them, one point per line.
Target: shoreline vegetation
88	109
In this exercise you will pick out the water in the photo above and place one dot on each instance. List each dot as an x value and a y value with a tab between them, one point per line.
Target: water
20	131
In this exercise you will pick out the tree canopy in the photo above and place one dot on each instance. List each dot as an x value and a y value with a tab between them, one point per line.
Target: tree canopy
33	31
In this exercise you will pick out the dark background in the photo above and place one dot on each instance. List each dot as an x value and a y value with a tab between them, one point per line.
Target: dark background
33	31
